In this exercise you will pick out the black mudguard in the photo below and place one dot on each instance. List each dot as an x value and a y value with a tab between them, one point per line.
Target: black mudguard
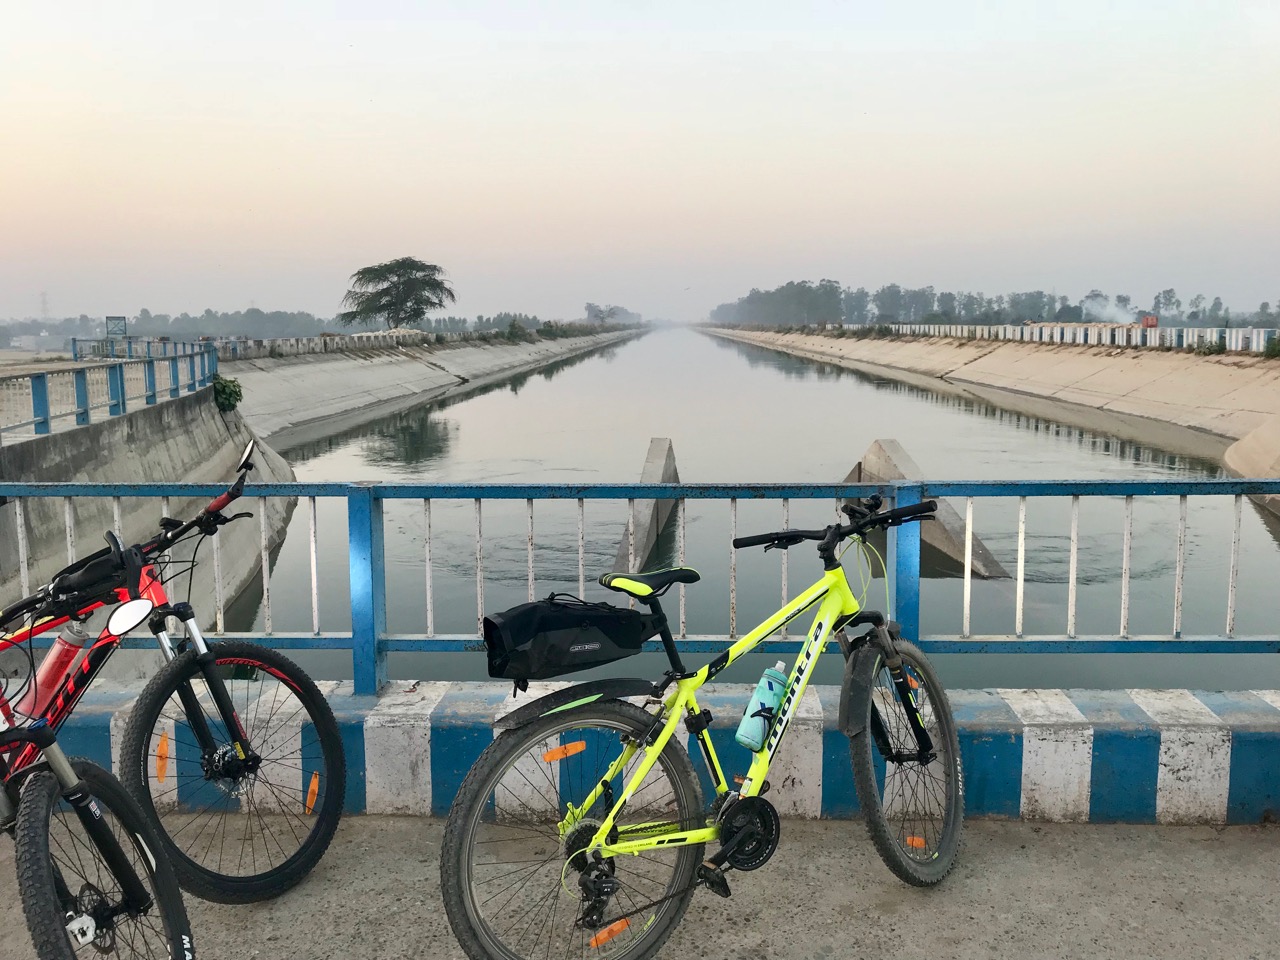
591	691
855	692
859	674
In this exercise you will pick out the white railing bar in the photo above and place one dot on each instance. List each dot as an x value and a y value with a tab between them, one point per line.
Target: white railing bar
968	563
315	564
218	604
1126	567
1181	567
733	568
680	559
164	512
430	587
70	520
529	505
115	517
24	568
266	565
1073	566
631	546
1022	562
786	524
479	573
1234	570
582	548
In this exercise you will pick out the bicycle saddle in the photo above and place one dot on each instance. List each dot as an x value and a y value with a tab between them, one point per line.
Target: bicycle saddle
642	585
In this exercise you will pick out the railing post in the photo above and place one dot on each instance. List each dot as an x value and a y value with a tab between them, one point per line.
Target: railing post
368	588
75	350
40	401
907	565
128	349
115	390
191	373
81	379
175	387
149	378
148	349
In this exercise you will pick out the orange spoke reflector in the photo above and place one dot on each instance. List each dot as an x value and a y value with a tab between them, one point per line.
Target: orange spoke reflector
913	683
312	791
162	756
608	933
568	750
916	842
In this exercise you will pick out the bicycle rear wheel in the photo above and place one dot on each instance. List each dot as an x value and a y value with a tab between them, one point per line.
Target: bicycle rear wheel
914	811
234	834
70	895
511	879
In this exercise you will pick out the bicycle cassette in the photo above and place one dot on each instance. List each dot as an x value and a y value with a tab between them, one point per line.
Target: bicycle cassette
756	817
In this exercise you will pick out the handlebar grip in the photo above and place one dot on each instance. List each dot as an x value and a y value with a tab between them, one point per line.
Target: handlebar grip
914	510
98	573
756	540
219	502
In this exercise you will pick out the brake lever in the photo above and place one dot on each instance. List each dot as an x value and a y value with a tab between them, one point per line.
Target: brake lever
235	516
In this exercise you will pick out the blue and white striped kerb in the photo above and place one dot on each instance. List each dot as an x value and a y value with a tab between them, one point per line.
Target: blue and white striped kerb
1134	756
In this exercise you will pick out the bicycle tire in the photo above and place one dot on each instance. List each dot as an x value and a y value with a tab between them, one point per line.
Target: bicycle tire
320	759
917	852
39	849
475	935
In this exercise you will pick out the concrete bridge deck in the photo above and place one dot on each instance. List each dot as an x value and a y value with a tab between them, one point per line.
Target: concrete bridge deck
1019	891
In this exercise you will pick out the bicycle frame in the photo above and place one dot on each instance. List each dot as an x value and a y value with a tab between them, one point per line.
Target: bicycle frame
838	605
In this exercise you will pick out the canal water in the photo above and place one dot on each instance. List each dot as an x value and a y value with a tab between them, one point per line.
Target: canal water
738	413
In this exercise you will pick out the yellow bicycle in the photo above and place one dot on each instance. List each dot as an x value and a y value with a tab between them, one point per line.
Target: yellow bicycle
582	828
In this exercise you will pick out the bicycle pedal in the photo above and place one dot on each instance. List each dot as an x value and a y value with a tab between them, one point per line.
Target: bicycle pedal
714	880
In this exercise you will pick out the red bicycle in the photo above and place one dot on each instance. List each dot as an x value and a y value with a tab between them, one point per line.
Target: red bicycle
231	748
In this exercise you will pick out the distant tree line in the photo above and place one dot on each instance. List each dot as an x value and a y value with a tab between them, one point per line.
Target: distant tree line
805	303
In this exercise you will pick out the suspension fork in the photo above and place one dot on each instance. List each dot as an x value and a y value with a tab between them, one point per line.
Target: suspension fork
75	791
208	664
905	696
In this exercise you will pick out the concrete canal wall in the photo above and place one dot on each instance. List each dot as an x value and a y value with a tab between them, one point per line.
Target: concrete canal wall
1139	756
183	440
294	399
1226	407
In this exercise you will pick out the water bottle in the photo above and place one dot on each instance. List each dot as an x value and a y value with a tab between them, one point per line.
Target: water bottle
754	728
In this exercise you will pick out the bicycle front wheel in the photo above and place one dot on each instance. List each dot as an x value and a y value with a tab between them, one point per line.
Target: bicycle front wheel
914	811
72	900
237	833
513	860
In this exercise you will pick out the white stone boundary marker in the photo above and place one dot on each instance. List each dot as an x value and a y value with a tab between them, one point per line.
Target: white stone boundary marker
397	748
1195	757
1057	755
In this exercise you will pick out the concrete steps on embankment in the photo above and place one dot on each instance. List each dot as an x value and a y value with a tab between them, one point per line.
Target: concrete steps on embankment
292	400
1142	756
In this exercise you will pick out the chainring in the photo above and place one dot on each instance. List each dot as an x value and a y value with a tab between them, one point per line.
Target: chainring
750	812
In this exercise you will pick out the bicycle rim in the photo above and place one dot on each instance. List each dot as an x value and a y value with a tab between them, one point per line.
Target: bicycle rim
521	875
917	800
224	821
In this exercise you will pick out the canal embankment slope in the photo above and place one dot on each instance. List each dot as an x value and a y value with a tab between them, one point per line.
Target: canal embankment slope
295	399
1225	407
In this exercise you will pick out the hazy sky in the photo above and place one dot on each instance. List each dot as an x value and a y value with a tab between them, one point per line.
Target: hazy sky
666	156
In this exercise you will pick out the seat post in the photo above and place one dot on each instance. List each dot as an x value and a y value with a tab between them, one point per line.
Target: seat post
668	641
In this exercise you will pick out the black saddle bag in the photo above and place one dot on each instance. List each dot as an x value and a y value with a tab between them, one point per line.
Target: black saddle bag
563	634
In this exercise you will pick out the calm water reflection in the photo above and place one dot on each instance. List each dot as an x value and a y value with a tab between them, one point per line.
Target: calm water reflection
739	413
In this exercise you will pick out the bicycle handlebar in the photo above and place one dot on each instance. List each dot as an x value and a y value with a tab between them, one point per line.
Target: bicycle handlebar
889	518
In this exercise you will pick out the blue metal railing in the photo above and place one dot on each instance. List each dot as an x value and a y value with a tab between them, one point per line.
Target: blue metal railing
32	404
370	642
134	348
